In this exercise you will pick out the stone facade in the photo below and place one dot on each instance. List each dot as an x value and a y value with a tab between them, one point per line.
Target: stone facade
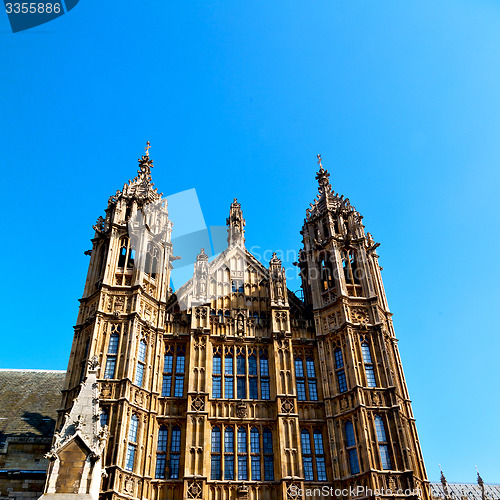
233	388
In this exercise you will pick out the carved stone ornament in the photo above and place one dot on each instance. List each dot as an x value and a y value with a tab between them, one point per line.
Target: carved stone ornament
198	403
242	492
293	491
287	405
241	410
194	489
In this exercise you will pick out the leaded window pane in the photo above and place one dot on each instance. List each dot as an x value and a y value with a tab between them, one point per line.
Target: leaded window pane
311	373
301	390
228	387
318	443
229	467
349	434
180	365
216	387
174	466
380	428
132	433
168	363
342	381
370	376
299	367
109	371
242	440
242	393
264	367
161	462
365	350
385	457
264	388
216	444
104	417
252	365
256	468
313	390
253	388
217	365
130	458
306	442
113	344
139	374
179	386
308	469
215	472
268	468
142	351
162	439
242	468
353	461
175	445
229	440
321	468
166	385
267	441
339	360
254	441
228	365
240	365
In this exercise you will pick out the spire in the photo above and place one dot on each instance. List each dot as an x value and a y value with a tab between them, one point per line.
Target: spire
145	165
322	178
444	484
235	224
481	484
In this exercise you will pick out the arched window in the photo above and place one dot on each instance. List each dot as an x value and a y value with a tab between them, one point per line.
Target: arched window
307	456
241	371
229	453
161	453
264	376
252	377
217	376
173	369
383	444
352	451
216	454
350	266
132	443
141	363
229	374
339	370
326	267
267	440
152	260
175	453
319	453
242	454
307	387
246	366
367	360
255	453
126	255
114	340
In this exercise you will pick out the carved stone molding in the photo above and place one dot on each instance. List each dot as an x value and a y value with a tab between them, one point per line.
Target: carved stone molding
198	403
241	409
195	489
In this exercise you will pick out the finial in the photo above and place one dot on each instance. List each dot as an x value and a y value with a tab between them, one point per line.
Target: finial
319	161
322	177
148	145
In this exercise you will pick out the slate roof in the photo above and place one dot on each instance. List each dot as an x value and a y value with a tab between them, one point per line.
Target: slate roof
29	400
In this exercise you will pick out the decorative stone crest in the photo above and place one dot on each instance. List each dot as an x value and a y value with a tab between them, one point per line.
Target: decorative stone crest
241	410
198	403
287	405
195	489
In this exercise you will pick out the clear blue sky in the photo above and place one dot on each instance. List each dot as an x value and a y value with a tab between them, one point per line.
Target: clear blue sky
402	99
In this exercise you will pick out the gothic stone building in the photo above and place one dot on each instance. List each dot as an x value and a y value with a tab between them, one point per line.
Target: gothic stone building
233	388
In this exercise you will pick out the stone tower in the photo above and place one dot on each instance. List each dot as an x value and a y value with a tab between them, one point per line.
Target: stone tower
233	388
371	429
